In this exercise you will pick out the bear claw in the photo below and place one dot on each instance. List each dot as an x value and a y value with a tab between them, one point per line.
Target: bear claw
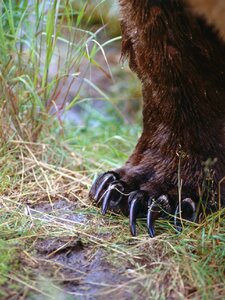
137	202
157	208
185	211
111	192
113	195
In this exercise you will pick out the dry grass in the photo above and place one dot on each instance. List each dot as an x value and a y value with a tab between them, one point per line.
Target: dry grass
46	216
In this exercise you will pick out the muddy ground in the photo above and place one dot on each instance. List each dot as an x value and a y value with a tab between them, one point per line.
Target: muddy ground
81	270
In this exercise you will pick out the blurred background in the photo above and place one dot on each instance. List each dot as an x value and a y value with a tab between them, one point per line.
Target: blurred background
62	75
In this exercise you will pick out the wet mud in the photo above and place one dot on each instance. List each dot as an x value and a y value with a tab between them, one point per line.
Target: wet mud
79	269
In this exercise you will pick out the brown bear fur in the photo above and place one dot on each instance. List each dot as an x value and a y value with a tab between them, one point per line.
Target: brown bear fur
177	49
180	61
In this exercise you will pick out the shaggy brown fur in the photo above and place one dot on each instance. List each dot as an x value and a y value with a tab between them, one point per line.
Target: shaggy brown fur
180	62
179	59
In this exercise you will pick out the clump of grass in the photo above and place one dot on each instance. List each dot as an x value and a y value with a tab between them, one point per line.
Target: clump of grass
98	13
30	180
185	266
32	76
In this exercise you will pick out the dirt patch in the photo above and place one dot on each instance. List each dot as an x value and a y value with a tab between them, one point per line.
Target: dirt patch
65	210
80	269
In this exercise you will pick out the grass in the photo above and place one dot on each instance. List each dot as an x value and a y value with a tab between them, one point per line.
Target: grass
54	244
190	265
34	41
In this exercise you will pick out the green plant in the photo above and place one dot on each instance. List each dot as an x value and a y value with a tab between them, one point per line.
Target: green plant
33	73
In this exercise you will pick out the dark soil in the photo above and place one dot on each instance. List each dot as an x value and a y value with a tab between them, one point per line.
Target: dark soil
81	270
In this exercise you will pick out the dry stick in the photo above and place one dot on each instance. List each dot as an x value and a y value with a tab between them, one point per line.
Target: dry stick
180	185
34	260
94	239
22	171
52	168
37	182
58	249
29	286
63	172
64	146
27	143
83	202
60	265
37	162
49	187
13	100
219	197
